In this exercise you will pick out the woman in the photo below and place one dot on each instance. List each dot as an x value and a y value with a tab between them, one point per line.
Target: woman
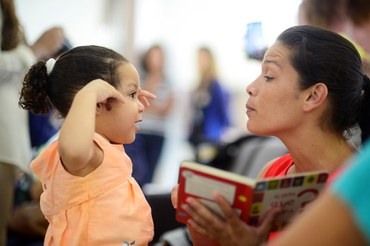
15	58
210	105
311	90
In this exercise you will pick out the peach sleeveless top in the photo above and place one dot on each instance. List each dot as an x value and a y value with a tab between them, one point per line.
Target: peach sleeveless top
106	207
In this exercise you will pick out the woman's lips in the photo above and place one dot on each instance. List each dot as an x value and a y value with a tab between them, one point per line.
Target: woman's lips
249	108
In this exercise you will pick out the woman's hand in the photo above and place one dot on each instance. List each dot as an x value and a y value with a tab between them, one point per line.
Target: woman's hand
228	230
48	43
174	192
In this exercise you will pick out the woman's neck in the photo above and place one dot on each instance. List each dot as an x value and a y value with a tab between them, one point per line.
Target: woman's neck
325	152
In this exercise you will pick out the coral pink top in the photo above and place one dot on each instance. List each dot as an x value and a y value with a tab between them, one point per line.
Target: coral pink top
106	207
281	166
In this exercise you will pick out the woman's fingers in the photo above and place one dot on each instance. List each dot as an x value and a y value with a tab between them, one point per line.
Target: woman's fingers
174	192
202	218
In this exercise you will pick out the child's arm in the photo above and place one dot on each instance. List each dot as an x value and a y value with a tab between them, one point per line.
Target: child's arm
77	150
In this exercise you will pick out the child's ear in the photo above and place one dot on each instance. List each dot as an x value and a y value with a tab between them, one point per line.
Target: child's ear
108	106
99	108
316	95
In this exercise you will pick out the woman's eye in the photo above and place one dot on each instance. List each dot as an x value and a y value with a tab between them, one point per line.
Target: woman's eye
268	78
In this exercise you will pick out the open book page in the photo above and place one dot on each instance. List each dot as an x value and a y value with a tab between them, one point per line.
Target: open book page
291	193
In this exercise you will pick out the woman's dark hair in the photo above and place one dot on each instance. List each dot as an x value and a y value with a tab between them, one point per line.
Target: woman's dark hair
319	55
11	32
72	71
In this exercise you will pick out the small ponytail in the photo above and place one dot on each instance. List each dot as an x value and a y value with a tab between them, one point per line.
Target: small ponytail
364	120
34	96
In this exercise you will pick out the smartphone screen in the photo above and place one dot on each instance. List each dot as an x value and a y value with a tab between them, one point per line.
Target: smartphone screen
256	45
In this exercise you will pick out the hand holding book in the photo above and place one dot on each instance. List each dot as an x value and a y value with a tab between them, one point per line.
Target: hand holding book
226	231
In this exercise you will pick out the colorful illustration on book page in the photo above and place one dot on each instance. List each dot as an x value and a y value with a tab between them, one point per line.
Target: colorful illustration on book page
292	194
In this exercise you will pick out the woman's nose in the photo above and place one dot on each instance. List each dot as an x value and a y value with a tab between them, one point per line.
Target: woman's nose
249	89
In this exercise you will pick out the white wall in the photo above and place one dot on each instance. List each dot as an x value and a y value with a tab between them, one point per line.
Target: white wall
180	25
85	22
184	25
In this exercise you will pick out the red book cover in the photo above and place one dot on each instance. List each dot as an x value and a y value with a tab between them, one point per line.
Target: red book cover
201	181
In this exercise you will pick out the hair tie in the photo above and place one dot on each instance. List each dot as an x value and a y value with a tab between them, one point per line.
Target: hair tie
50	65
366	82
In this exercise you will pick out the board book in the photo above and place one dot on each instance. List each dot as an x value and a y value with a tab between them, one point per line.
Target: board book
250	198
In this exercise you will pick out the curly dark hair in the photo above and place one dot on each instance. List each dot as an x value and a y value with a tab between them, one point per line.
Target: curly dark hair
72	71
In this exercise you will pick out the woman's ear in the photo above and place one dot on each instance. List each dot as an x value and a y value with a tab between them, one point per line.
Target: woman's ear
316	95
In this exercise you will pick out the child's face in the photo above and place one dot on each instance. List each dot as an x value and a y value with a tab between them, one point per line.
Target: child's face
122	117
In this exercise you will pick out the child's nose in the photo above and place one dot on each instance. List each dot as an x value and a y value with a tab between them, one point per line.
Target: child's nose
141	107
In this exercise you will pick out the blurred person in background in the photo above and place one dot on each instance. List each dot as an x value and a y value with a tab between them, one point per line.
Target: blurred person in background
359	13
15	148
210	106
349	18
146	150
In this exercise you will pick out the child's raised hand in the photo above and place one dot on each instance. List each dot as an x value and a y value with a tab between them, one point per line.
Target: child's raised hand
144	97
103	91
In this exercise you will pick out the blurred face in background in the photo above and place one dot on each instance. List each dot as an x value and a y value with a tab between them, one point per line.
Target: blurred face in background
204	60
155	59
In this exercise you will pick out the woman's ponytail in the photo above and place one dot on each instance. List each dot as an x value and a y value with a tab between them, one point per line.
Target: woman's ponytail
364	120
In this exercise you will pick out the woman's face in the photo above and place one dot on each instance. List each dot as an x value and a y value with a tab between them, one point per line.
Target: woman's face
155	59
204	60
275	101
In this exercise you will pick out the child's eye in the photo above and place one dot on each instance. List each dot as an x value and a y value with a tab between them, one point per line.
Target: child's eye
268	78
133	94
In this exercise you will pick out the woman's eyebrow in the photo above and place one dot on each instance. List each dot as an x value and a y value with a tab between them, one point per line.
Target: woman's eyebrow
272	62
